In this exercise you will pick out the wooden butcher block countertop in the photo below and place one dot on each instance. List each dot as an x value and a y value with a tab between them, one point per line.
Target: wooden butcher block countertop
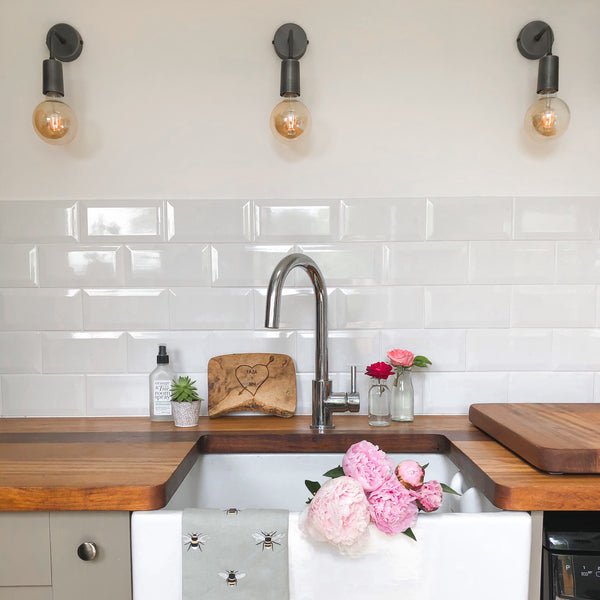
135	464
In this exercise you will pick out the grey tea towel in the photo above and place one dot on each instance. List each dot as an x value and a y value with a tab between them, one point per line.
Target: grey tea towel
241	554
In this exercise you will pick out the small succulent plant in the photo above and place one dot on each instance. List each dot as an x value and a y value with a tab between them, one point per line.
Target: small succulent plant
184	390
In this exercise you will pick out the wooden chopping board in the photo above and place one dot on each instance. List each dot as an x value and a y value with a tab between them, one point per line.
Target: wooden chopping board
264	383
558	438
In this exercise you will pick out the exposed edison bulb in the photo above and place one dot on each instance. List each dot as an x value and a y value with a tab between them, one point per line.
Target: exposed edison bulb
54	121
290	119
547	118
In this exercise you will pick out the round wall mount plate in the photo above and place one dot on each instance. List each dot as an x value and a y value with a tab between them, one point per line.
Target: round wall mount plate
535	40
65	42
281	41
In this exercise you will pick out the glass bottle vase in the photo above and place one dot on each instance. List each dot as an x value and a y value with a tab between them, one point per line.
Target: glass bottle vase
379	404
403	396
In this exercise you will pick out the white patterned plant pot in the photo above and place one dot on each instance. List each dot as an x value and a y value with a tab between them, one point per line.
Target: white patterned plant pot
186	414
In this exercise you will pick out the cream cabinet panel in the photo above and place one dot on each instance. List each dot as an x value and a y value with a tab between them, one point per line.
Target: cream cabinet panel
26	593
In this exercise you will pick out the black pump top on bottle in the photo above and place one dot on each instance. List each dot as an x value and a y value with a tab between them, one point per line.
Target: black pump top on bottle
162	358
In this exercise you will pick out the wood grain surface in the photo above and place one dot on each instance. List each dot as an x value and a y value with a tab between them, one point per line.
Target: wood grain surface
557	438
263	383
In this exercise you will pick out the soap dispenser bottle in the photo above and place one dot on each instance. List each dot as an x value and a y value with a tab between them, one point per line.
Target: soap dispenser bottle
160	387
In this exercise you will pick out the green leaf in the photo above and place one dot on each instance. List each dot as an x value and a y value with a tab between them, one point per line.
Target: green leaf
424	466
410	534
313	486
333	473
421	361
449	490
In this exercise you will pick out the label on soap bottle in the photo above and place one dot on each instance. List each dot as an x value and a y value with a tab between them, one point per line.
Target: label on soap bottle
162	397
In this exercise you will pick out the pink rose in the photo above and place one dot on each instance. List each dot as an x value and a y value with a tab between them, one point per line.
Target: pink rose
339	513
392	507
410	474
379	370
367	464
428	496
401	358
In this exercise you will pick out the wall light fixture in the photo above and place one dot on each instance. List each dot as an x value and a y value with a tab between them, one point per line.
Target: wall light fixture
548	117
290	119
54	121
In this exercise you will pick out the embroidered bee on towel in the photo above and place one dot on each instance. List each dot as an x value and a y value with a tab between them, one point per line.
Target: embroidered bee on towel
194	541
268	539
232	577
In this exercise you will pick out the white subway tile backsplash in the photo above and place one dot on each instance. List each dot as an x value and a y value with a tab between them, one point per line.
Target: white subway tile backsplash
267	340
43	395
557	218
576	350
554	306
301	221
217	308
578	262
38	221
19	265
122	309
551	387
509	350
467	306
422	263
117	395
40	309
67	265
398	219
209	221
512	262
20	352
245	265
168	264
469	218
84	352
379	307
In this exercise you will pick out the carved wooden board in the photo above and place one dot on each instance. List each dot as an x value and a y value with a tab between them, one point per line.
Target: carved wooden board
264	383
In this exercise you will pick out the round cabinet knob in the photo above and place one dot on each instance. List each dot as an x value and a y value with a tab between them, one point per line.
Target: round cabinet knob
87	551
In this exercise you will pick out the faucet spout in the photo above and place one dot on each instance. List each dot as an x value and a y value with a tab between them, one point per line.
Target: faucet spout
324	402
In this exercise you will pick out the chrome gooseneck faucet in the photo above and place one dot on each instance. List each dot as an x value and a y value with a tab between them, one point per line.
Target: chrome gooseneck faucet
324	401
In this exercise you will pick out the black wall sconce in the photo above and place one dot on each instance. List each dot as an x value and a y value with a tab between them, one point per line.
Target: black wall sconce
54	121
290	119
548	117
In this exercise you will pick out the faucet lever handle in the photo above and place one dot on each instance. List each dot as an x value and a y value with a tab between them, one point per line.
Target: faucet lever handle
353	379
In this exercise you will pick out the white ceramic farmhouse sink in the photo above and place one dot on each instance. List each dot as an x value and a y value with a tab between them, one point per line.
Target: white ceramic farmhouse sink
468	549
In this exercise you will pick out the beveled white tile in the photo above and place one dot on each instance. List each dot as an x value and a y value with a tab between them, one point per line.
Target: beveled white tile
122	309
117	395
209	221
267	340
469	218
19	265
397	219
245	264
168	264
467	306
509	349
453	393
346	348
576	350
67	265
188	350
20	352
557	218
122	220
445	348
40	309
379	307
511	262
84	352
301	221
553	306
551	387
43	395
38	221
347	264
578	262
421	263
304	393
211	308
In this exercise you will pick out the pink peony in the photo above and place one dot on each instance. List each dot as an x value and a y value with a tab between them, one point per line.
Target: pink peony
392	507
379	370
410	474
367	464
401	358
428	496
339	513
